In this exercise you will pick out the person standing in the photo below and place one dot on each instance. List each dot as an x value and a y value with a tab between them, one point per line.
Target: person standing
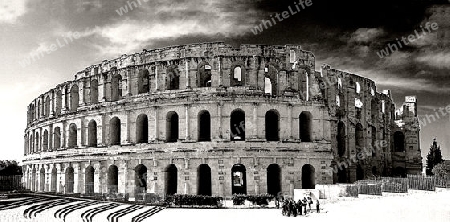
309	204
318	206
299	207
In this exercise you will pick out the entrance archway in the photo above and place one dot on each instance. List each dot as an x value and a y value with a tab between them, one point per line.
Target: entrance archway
113	179
69	180
308	177
89	180
204	180
171	180
238	179
273	179
140	178
42	180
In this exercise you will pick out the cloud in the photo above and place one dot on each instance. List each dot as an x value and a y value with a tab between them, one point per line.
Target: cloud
10	11
440	60
366	35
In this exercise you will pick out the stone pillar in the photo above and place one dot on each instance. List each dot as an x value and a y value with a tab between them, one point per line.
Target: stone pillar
128	126
60	178
97	177
188	84
81	92
257	188
291	188
82	138
219	70
128	74
156	114
219	119
50	137
255	120
186	188
63	134
123	179
76	177
156	77
64	102
101	89
186	111
52	103
290	121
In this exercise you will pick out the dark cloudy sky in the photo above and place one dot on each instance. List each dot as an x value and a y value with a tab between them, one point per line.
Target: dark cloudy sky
344	34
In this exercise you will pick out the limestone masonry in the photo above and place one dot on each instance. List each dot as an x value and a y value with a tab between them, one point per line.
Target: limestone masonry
211	119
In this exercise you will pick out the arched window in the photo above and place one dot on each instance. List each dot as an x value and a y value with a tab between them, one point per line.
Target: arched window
172	78
56	138
142	129
92	134
143	81
42	180
47	106
69	180
54	176
37	147
204	180
374	141
113	179
399	141
38	107
238	179
58	103
74	98
237	76
272	125
94	91
89	180
271	80
340	137
204	126
72	136
116	87
114	131
358	88
308	177
305	121
204	75
273	179
45	141
140	178
374	109
171	179
359	136
172	127
237	125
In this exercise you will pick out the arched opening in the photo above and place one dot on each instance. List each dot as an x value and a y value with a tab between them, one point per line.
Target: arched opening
33	180
140	178
37	147
38	107
237	125
45	140
42	180
58	104
74	98
56	138
143	81
92	134
204	75
340	137
399	172
238	179
172	79
399	141
114	131
116	87
47	106
272	125
374	109
204	126
305	121
171	180
237	76
273	179
359	172
54	177
308	177
342	175
89	180
72	136
172	127
271	80
204	180
69	180
142	129
94	92
113	179
374	141
359	136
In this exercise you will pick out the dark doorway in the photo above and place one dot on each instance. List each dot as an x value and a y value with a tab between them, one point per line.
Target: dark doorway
341	139
92	134
399	141
359	172
113	179
359	136
42	180
237	125
94	91
399	172
342	175
72	135
172	127
116	87
204	180
204	125
171	173
142	129
305	121
273	179
308	177
54	177
114	131
238	179
272	123
69	180
74	98
89	180
143	81
140	178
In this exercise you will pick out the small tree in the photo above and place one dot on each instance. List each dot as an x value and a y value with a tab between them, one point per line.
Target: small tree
434	157
442	170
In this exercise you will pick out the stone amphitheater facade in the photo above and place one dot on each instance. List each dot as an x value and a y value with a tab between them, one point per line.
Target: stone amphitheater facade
211	119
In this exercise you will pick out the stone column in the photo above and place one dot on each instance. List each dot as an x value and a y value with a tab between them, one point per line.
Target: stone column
123	180
186	110
59	178
63	134
102	88
97	177
76	177
82	138
255	120
52	104
128	126
188	84
156	114
128	74
290	121
81	93
257	188
219	119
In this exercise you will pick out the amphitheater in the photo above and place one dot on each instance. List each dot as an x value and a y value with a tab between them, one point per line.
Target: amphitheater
211	119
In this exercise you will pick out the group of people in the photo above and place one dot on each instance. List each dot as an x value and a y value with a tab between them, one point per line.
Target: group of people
303	206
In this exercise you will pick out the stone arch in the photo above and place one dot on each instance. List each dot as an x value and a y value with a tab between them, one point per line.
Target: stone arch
171	179
142	129
374	108
204	75
58	103
273	179
272	125
113	179
359	136
172	127
72	143
143	81
238	179
47	106
305	126
172	78
36	138
340	137
140	178
271	79
54	178
89	180
45	140
94	91
114	131
38	107
74	98
308	177
56	138
69	180
238	74
42	180
237	125
204	126
399	141
92	134
116	87
204	186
